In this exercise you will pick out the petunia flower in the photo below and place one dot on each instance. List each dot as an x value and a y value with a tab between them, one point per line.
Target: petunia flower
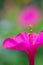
28	15
27	42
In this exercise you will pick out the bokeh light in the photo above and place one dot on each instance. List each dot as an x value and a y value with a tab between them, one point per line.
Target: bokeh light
29	15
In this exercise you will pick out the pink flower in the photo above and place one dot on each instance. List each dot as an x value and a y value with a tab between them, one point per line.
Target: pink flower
25	42
28	15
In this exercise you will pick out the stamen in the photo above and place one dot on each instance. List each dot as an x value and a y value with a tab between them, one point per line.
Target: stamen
30	34
30	27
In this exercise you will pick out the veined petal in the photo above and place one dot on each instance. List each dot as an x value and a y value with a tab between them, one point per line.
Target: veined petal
22	38
34	38
18	42
39	40
9	43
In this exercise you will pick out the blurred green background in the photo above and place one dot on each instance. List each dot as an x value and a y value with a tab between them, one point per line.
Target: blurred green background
8	12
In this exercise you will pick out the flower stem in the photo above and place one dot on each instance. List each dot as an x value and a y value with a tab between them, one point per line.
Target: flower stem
31	59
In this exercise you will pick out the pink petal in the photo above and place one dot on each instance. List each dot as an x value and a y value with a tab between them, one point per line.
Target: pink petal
9	43
34	38
18	42
39	40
